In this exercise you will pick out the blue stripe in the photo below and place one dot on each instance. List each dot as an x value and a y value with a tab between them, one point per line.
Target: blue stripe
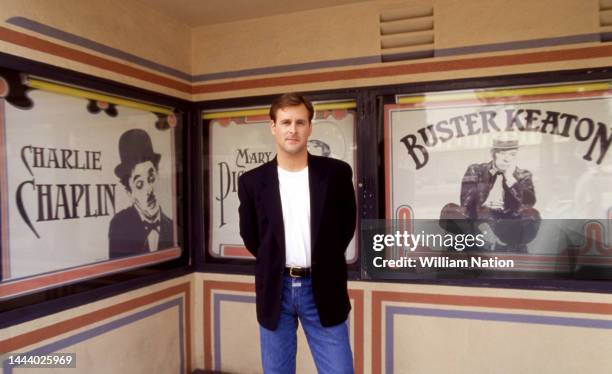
391	311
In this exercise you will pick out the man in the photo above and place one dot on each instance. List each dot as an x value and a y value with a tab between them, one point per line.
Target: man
498	197
297	216
142	227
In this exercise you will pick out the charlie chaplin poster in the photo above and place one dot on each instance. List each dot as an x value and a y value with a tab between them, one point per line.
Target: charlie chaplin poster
85	182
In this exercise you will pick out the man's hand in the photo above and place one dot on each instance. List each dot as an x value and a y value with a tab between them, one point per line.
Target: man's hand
509	175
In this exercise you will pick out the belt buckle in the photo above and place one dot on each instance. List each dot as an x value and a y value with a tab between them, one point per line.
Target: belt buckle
291	272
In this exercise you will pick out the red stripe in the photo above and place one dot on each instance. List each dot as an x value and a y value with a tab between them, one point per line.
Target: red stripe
42	45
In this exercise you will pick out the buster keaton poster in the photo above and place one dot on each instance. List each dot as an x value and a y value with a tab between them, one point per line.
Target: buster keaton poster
501	166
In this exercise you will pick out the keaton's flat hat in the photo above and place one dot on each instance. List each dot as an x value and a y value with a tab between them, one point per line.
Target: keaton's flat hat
135	147
505	144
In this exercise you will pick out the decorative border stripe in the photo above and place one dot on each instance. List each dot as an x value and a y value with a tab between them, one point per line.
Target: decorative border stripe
411	69
278	69
378	297
218	298
45	46
77	40
520	44
41	282
5	270
391	311
14	344
67	37
100	330
212	306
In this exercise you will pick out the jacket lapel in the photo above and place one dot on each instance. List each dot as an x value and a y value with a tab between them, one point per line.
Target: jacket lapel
272	200
317	180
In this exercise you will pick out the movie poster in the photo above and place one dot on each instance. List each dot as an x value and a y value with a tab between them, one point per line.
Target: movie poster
239	144
85	182
535	155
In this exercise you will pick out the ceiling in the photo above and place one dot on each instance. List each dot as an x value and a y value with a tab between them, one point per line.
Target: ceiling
206	12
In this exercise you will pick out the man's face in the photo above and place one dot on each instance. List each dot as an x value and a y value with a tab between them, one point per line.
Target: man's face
142	183
291	129
505	159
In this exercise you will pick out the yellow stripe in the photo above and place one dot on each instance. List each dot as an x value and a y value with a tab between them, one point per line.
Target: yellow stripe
78	92
574	88
265	110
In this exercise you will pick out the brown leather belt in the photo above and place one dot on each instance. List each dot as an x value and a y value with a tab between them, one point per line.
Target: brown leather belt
294	272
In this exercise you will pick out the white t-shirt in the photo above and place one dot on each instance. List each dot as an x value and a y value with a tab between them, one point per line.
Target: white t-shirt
295	199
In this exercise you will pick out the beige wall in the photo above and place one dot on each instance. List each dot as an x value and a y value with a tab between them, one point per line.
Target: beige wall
126	26
342	34
351	31
464	23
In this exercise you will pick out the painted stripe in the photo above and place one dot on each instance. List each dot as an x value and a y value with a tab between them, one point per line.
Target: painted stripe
71	275
358	321
5	271
57	346
208	287
322	64
378	297
391	311
212	307
218	298
412	69
217	316
82	42
67	37
38	44
521	44
15	343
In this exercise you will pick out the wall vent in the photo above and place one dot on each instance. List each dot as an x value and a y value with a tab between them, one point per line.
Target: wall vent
605	20
407	33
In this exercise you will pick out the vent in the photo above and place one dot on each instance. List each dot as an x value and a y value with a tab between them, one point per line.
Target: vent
605	20
407	33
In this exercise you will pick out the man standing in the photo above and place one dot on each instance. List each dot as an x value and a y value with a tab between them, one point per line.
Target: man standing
297	216
498	197
142	227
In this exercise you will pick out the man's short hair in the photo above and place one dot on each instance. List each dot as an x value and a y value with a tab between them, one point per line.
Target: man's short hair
290	99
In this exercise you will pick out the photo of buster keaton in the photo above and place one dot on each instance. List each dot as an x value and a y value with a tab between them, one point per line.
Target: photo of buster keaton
142	227
497	199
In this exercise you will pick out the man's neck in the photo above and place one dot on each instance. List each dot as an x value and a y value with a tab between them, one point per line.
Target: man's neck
292	162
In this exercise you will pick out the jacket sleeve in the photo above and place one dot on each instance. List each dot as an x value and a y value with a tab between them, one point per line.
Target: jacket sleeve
469	187
348	205
249	230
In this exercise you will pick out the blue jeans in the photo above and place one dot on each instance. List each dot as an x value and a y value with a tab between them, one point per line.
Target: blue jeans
329	346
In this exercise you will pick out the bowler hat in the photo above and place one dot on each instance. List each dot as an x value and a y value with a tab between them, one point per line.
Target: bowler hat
135	147
505	144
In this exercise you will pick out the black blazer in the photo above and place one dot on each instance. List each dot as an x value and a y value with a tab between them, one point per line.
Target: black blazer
332	224
127	235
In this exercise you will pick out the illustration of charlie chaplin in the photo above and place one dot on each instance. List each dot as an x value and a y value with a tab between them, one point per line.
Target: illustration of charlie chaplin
142	227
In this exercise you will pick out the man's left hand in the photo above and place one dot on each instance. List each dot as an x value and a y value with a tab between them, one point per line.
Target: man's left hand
509	175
